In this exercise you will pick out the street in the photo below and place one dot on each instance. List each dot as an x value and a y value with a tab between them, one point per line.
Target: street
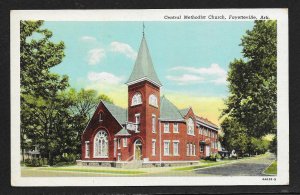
247	167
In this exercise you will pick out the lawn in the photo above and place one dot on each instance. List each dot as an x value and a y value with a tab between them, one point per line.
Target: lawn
203	164
91	170
272	169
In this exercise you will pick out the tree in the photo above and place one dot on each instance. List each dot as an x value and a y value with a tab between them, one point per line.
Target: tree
40	101
82	109
252	82
234	137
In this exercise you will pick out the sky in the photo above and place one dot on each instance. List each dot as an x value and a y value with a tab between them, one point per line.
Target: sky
191	59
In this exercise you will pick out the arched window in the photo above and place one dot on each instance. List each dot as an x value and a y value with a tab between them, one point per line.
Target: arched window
136	99
190	126
101	145
153	100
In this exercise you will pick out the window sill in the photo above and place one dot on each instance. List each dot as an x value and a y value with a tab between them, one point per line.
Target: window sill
136	104
167	132
100	156
175	132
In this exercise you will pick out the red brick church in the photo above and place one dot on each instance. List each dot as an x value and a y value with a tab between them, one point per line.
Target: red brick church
152	130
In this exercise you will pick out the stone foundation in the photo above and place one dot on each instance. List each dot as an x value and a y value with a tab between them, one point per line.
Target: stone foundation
144	164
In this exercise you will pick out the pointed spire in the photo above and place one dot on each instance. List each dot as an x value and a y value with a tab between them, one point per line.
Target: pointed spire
143	68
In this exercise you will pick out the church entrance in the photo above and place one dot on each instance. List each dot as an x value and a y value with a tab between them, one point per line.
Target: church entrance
138	150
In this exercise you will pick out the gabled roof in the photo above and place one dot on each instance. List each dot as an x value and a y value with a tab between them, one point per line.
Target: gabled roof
143	67
206	121
184	111
120	114
123	132
168	111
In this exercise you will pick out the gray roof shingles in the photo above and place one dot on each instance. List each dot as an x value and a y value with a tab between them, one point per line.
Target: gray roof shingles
120	114
168	111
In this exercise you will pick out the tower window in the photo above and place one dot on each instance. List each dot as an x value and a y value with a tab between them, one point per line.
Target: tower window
136	99
153	100
137	122
153	123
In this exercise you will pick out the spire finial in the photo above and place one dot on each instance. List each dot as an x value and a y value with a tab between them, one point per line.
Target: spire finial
143	29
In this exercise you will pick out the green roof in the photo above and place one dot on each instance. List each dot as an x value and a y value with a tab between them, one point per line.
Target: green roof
184	111
120	114
168	111
123	132
143	68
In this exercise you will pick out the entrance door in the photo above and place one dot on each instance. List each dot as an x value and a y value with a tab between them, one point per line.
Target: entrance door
207	150
138	150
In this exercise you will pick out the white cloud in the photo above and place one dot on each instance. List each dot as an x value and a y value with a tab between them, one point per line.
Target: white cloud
88	39
95	56
186	79
104	77
214	69
214	73
123	48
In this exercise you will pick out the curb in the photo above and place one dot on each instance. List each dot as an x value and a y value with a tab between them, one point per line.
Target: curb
267	168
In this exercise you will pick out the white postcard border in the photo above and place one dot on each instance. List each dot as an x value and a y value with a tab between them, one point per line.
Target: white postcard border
281	15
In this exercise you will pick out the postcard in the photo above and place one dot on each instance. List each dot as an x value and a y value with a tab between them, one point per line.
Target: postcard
149	97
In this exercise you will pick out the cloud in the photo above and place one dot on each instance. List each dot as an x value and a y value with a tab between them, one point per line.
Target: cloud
214	74
123	48
104	77
186	79
88	39
95	56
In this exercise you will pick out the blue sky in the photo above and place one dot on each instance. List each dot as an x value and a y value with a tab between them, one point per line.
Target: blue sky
190	58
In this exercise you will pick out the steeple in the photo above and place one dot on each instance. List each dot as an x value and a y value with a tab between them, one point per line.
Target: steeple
143	68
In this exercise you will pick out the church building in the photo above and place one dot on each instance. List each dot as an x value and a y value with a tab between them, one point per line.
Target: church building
152	131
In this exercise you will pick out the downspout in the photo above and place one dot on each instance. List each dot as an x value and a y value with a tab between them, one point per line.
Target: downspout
160	143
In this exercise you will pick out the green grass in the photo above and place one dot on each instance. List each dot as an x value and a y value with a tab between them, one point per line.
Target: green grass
93	170
206	163
272	169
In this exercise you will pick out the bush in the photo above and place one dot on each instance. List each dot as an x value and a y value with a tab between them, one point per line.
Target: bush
35	162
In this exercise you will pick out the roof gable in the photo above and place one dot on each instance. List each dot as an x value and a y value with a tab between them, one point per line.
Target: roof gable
120	114
168	111
143	68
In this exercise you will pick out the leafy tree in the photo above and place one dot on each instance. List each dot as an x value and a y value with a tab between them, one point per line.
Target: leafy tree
252	82
40	104
82	109
273	145
234	137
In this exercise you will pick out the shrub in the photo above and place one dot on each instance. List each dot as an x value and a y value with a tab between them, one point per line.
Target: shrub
35	162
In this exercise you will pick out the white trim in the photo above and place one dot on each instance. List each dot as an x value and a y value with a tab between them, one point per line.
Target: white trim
87	142
143	79
206	125
171	120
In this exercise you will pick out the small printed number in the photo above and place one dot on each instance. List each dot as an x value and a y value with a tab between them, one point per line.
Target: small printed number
268	179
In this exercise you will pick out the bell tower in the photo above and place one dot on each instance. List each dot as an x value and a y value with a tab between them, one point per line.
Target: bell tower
144	101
